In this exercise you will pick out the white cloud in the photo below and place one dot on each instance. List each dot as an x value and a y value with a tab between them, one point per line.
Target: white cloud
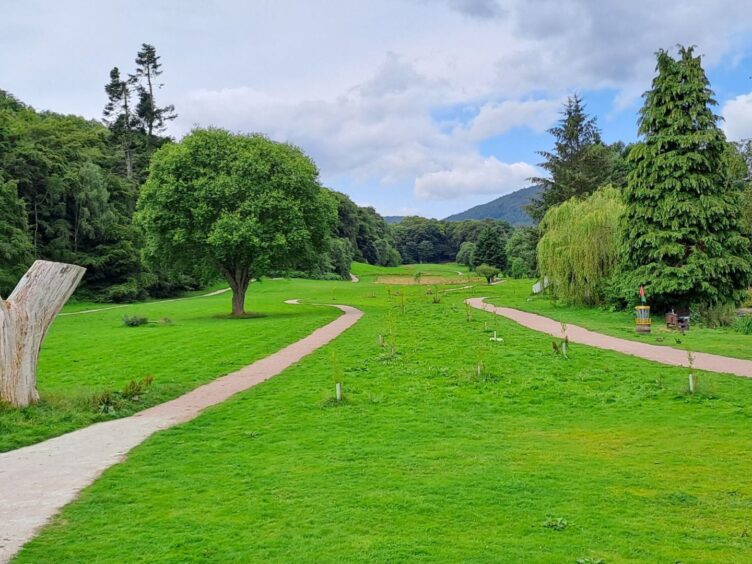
737	115
497	118
474	176
356	85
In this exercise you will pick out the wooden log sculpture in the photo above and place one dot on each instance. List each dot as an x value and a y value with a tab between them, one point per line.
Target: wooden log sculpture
24	320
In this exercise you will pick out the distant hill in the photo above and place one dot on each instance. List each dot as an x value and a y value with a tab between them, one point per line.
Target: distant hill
392	219
509	208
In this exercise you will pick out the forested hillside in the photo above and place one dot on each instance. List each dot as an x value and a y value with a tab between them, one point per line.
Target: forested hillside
510	208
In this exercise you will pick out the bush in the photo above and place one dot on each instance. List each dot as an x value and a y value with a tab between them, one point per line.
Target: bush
131	291
134	320
720	315
743	325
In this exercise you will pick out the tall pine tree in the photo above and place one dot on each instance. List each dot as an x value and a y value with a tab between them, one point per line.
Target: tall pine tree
684	235
148	69
491	248
119	116
579	163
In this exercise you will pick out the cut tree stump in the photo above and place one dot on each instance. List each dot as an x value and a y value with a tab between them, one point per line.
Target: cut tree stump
24	319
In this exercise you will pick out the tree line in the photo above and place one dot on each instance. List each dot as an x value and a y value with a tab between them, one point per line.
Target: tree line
69	191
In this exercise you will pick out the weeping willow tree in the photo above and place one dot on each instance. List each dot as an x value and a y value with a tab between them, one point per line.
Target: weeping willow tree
580	245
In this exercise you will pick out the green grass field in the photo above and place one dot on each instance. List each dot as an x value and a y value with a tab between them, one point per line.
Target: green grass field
598	458
88	354
723	341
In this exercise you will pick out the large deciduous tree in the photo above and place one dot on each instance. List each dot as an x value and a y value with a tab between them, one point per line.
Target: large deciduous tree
239	205
685	238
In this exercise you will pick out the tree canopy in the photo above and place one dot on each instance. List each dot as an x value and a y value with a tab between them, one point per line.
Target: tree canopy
240	205
579	164
580	246
685	239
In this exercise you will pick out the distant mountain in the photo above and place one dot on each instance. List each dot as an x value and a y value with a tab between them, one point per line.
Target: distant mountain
509	208
392	219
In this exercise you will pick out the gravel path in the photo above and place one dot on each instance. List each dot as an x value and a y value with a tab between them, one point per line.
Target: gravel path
656	353
38	480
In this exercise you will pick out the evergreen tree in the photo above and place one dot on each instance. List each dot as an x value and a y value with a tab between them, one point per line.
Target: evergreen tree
148	69
579	162
119	116
491	248
685	240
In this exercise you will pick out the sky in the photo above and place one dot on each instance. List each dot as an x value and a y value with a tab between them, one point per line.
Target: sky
412	106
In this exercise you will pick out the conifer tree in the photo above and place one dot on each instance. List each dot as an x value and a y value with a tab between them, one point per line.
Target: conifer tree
148	70
118	114
579	163
491	248
684	235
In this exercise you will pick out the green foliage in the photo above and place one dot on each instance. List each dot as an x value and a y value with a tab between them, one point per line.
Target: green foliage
367	231
237	205
743	325
430	240
490	248
579	164
715	315
16	251
488	272
135	320
521	252
685	237
466	254
580	246
341	255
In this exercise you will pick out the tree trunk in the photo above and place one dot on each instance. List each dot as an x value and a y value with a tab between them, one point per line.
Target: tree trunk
239	279
24	320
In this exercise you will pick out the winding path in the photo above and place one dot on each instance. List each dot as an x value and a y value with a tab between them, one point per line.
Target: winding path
656	353
38	480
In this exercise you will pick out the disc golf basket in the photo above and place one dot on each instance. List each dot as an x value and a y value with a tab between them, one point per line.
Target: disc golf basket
642	319
642	314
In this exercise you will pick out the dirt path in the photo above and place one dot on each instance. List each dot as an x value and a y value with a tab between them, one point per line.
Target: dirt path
656	353
38	480
354	278
210	294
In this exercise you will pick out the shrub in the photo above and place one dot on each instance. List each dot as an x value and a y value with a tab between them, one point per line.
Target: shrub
131	291
743	325
721	315
135	320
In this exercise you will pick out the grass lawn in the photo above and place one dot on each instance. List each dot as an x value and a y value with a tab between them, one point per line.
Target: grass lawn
88	354
601	457
724	341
